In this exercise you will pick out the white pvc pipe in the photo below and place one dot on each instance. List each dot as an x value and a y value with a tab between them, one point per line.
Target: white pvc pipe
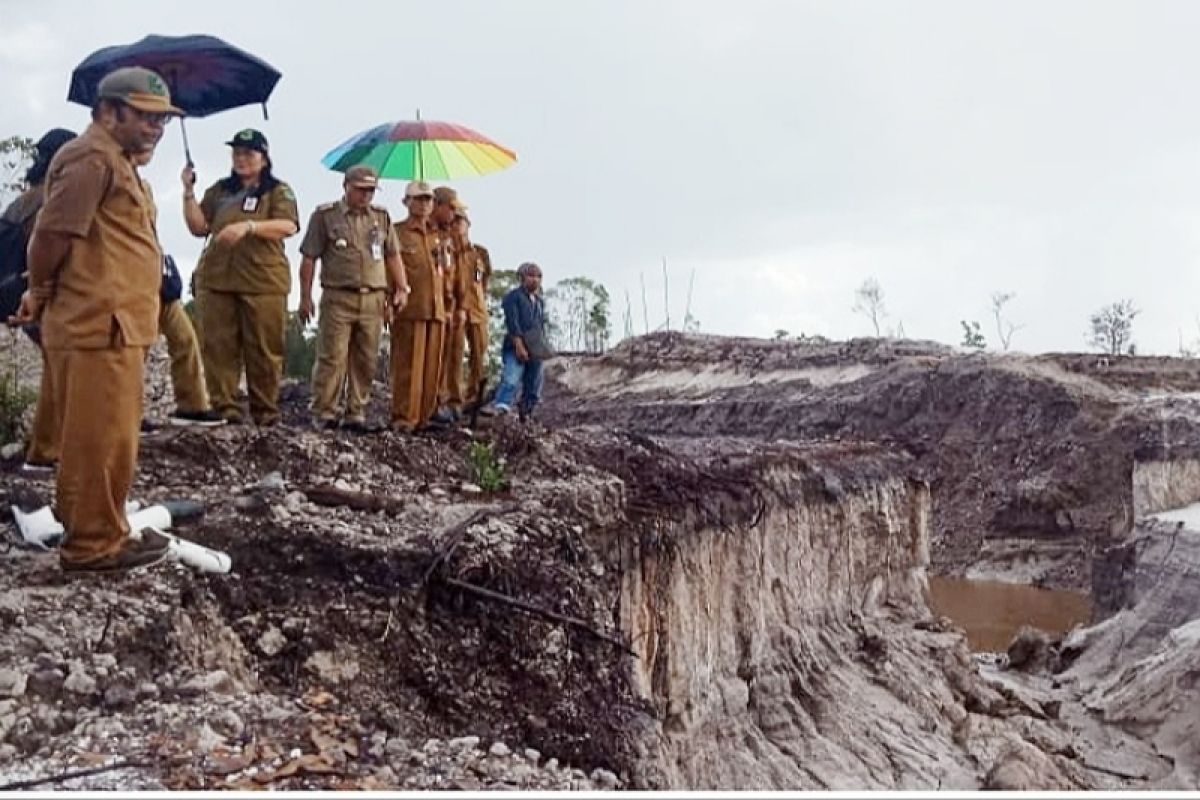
40	526
157	517
198	556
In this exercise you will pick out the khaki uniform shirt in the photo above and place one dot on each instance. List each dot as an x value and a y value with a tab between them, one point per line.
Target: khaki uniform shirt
253	265
351	245
474	271
105	292
425	266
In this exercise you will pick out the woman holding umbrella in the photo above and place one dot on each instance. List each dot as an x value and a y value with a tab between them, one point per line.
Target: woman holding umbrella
243	278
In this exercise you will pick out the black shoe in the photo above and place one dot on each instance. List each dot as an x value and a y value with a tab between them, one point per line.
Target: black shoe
442	417
37	469
358	426
205	419
148	427
152	541
327	424
134	554
233	419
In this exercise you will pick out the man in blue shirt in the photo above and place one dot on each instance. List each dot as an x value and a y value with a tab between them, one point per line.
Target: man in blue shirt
525	346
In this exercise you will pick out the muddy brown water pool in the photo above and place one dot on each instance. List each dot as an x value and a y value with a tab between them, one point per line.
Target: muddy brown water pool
991	612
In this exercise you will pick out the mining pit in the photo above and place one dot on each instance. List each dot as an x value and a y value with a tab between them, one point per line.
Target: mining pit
715	563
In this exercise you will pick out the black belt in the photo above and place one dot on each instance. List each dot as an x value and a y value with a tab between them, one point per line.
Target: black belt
354	289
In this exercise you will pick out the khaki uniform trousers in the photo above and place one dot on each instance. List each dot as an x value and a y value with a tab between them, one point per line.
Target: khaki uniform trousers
416	370
187	378
348	331
99	397
44	442
243	329
469	338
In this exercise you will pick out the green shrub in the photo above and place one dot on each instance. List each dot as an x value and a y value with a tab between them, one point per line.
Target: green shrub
15	400
299	349
488	468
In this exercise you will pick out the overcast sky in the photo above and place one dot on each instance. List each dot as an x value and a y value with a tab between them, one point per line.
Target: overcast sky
783	151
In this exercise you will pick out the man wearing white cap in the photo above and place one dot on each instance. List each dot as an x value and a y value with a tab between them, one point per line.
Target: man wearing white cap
419	328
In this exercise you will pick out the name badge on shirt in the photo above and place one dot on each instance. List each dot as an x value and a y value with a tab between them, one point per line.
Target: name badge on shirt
377	251
250	205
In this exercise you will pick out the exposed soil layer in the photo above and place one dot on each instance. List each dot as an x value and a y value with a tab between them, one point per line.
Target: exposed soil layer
1029	458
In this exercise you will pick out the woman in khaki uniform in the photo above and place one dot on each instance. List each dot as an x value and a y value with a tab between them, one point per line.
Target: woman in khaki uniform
243	278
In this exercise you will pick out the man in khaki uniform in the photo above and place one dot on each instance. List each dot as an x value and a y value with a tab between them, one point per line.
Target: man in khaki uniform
446	205
187	375
94	264
360	259
41	456
174	325
418	329
469	332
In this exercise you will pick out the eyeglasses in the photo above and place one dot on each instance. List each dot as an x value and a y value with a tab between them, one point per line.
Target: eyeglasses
366	189
154	118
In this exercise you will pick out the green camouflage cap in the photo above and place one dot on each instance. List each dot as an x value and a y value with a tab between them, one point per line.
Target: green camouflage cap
140	88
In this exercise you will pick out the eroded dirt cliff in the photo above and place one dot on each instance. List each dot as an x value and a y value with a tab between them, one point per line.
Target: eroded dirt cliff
708	571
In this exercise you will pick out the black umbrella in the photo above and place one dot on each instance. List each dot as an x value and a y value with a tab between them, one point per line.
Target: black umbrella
204	73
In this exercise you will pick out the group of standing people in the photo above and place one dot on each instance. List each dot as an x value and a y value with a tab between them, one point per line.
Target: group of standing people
100	291
423	276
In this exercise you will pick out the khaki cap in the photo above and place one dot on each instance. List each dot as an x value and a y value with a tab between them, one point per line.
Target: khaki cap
362	177
140	88
418	189
444	194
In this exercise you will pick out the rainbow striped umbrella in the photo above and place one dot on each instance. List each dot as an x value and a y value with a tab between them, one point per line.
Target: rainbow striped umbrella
421	150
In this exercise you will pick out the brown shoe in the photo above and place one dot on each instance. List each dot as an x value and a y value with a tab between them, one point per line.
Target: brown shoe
134	554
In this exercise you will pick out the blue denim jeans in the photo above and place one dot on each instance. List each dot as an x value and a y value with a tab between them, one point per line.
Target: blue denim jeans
527	377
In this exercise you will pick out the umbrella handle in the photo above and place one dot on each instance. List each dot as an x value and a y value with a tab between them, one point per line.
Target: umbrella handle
187	151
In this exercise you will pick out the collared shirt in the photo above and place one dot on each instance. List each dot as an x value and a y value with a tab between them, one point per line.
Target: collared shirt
424	266
351	244
523	313
105	292
254	265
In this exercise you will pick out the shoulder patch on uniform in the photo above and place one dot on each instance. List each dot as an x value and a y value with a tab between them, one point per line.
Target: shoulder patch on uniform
287	192
378	208
327	206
